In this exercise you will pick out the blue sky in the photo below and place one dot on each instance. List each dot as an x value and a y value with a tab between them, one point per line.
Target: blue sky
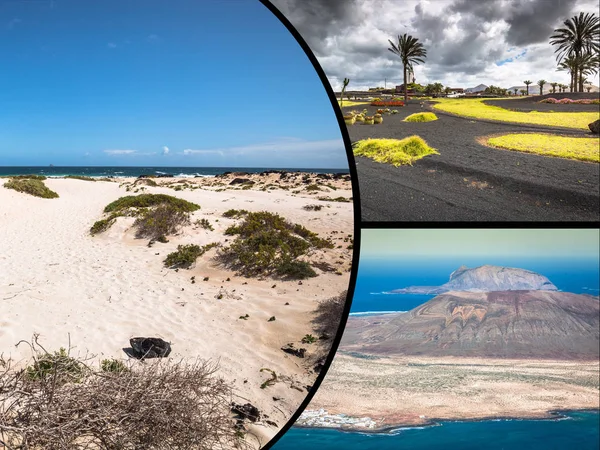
163	83
430	244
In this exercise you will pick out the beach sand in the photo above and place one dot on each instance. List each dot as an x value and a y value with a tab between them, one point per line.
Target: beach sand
97	292
413	391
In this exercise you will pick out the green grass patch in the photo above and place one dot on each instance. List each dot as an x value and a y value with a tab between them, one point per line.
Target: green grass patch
186	255
393	151
421	117
267	244
578	148
348	103
477	109
31	186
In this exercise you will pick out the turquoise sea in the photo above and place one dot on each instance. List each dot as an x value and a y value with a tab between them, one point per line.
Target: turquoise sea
115	171
574	430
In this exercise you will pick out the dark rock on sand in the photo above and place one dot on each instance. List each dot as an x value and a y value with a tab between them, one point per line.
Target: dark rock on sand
299	352
241	181
247	411
595	127
143	347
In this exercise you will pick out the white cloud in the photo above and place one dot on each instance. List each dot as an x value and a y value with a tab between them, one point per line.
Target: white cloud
282	146
112	45
189	151
120	152
165	150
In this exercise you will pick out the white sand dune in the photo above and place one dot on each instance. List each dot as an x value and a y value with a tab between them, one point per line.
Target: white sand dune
59	281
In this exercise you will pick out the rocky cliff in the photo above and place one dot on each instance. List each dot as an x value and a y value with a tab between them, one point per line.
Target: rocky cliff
501	324
486	279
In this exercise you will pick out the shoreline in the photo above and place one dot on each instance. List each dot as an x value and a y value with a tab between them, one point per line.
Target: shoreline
559	414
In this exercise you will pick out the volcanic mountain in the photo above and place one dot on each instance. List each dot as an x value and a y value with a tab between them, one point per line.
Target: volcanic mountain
486	279
502	324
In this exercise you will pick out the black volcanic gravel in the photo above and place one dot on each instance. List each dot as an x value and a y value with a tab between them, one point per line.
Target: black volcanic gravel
469	181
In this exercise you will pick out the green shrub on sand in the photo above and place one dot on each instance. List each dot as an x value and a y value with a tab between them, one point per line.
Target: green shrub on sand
421	117
394	151
104	224
149	200
25	177
58	366
157	214
163	220
267	244
31	186
186	255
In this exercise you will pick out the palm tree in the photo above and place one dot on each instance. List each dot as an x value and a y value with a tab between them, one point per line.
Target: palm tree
527	83
554	87
522	91
410	51
586	64
516	90
541	84
580	35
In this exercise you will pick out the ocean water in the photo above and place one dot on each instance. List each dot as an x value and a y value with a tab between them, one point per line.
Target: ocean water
576	430
56	171
375	277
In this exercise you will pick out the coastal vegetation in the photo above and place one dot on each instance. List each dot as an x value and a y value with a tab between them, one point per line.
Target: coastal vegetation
267	244
394	151
578	148
477	109
61	402
186	255
157	215
31	186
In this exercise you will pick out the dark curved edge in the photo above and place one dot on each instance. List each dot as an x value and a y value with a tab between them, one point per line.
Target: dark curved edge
357	219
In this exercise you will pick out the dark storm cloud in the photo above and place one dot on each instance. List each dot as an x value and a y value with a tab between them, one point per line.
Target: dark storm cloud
530	21
534	21
464	39
317	19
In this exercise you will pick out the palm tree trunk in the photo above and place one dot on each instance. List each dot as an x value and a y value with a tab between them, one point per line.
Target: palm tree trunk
405	87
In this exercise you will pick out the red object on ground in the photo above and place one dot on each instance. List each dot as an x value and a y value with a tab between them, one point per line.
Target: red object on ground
387	103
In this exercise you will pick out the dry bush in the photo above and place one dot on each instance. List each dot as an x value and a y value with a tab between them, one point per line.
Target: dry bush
158	405
161	221
328	315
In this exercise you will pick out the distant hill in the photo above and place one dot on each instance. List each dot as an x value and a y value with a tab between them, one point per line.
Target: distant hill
503	324
486	278
478	88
